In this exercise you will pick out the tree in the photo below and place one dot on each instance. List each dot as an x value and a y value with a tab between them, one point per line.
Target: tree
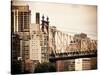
16	67
45	67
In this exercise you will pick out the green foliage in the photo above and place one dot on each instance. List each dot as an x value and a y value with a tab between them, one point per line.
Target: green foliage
45	67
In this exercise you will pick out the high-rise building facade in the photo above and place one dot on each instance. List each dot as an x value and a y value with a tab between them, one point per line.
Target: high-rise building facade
20	18
38	42
35	48
39	47
20	22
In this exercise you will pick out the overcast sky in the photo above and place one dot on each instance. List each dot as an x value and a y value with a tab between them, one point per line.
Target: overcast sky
66	17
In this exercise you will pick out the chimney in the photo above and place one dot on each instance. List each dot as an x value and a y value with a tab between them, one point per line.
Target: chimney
37	18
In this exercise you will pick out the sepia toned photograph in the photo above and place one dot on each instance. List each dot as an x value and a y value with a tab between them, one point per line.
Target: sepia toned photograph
52	37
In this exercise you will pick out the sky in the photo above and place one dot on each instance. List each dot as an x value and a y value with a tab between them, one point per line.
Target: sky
68	18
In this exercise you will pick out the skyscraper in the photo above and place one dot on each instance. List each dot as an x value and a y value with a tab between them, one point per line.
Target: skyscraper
20	21
20	18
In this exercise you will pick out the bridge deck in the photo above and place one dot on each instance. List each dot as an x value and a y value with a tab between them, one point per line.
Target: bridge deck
73	55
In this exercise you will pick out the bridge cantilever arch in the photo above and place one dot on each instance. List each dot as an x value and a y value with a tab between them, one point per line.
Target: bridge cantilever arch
63	46
72	47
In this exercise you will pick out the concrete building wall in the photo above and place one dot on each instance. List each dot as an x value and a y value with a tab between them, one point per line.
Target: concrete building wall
78	64
65	65
35	48
38	44
86	63
94	63
59	65
34	27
